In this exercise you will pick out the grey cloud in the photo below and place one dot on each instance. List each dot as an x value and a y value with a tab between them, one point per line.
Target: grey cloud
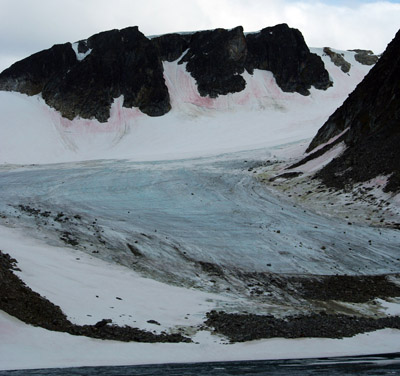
28	26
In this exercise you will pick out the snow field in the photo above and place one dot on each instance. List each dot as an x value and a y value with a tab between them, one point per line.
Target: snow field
261	116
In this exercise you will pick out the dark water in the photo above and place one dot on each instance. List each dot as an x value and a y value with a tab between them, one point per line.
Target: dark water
370	365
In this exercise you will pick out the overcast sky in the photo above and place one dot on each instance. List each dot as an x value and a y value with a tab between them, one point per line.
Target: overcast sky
28	26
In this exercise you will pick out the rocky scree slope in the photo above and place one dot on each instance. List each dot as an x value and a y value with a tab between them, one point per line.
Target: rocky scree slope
370	122
82	79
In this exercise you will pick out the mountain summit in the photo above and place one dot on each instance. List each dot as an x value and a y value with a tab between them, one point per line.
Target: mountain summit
84	78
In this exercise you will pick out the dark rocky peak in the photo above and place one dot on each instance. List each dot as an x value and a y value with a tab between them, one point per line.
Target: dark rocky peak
283	51
171	46
121	62
338	59
365	57
215	59
30	75
371	116
83	79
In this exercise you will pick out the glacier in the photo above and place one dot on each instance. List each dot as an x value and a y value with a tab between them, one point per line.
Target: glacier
169	214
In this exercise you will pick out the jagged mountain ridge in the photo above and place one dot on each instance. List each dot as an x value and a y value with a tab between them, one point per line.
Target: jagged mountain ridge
124	62
369	121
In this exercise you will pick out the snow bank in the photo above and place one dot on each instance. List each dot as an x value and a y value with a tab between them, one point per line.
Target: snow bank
23	347
89	289
261	116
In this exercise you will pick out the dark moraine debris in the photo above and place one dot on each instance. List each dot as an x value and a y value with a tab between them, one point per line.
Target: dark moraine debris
211	268
346	288
20	301
247	327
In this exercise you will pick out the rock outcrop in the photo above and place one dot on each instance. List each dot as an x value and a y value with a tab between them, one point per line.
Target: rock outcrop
120	62
371	116
215	59
338	60
30	75
84	78
365	57
171	46
283	51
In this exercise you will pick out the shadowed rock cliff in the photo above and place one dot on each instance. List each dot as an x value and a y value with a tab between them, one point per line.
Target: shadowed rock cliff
283	51
371	116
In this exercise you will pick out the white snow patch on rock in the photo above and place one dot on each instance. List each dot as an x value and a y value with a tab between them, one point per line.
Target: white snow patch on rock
80	55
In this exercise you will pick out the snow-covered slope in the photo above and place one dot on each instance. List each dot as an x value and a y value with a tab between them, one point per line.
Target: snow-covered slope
89	289
260	116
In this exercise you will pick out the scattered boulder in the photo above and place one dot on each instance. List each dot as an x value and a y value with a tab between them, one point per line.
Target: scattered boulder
154	322
102	323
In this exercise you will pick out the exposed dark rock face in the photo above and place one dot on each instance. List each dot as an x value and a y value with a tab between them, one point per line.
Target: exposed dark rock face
171	46
30	75
338	60
216	58
372	115
283	51
121	62
125	62
365	57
